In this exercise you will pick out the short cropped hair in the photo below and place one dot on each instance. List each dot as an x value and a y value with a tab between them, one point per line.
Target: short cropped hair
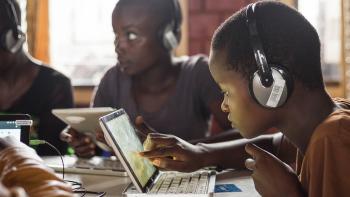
6	15
288	39
162	10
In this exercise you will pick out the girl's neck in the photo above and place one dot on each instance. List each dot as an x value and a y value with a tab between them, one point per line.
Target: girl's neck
302	120
15	65
158	77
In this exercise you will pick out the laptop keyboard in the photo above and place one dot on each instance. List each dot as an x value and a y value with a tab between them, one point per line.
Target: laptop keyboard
178	183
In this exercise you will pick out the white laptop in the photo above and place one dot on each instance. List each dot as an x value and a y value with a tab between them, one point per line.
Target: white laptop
146	179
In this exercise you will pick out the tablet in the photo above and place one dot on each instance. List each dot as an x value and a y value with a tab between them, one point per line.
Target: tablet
121	135
84	120
16	125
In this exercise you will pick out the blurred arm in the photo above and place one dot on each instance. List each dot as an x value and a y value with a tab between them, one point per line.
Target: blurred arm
22	169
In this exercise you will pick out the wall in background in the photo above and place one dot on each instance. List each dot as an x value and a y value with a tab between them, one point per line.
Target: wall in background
204	17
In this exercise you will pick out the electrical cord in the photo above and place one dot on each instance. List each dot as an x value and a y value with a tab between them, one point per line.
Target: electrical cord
77	187
39	142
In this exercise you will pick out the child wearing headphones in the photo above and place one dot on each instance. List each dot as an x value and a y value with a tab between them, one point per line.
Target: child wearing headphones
175	95
27	86
266	60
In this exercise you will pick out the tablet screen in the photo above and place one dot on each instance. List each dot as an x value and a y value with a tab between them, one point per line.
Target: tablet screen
123	133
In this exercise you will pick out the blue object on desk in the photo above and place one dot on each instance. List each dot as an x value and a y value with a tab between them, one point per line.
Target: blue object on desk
106	153
226	188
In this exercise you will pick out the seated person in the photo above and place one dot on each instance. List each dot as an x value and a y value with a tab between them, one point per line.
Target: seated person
26	85
318	126
23	173
174	94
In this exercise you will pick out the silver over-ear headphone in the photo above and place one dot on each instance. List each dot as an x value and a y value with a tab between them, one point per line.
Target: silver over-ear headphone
13	38
170	33
270	85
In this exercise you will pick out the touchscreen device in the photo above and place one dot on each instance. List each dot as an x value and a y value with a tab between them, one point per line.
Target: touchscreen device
121	135
84	120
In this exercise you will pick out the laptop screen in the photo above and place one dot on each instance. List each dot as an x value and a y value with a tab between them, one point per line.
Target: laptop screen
123	134
10	128
17	126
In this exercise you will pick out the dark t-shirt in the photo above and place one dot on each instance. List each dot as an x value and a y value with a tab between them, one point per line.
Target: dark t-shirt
186	114
49	90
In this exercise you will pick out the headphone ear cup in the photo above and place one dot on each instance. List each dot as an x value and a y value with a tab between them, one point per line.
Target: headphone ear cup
12	43
7	39
277	94
169	38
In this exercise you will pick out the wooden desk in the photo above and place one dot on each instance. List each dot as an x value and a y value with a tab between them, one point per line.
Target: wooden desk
114	186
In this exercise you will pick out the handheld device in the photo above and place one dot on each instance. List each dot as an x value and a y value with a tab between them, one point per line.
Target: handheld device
84	120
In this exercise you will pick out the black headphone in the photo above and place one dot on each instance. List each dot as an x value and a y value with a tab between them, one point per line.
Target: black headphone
170	33
270	85
13	38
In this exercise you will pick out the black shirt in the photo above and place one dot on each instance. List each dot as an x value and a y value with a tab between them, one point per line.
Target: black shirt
187	112
49	90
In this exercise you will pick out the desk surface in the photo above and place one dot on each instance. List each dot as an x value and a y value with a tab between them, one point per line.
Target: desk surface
114	186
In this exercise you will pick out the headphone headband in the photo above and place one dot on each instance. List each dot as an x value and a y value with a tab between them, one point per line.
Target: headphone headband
170	32
12	14
259	54
177	16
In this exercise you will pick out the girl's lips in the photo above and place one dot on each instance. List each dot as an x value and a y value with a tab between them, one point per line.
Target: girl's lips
228	118
123	62
231	121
